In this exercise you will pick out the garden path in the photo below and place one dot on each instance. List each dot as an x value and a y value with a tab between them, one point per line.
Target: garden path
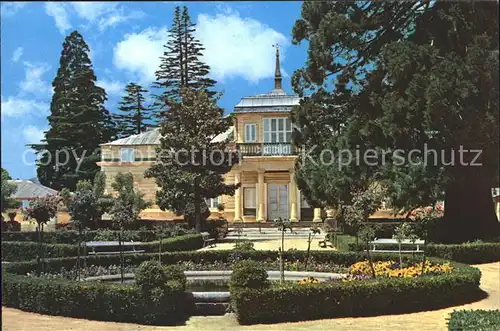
17	320
274	244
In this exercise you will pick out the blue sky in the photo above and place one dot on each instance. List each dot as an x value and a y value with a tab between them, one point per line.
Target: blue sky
126	39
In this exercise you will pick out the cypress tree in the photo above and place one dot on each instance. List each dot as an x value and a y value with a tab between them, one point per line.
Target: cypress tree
134	114
78	120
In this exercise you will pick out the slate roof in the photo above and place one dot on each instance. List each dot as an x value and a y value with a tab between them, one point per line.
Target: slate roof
275	101
26	189
153	136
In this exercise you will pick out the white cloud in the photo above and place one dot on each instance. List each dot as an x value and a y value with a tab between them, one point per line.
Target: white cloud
17	107
17	54
234	47
58	11
111	87
33	82
238	47
9	9
139	53
104	14
33	135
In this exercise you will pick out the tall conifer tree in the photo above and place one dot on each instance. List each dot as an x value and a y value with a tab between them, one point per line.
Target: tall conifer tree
180	64
134	113
78	120
187	179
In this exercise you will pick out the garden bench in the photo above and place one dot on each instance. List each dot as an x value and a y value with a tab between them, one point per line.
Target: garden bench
393	242
207	241
128	247
323	243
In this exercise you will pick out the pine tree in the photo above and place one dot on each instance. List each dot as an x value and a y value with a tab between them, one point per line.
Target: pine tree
187	179
180	64
389	76
134	114
78	122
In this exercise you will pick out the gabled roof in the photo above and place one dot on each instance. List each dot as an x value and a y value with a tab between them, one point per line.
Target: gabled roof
26	189
153	136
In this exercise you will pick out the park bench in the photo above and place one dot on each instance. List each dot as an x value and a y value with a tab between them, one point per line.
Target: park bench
127	247
405	244
325	242
207	241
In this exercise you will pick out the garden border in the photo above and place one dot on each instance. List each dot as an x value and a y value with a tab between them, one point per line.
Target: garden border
293	303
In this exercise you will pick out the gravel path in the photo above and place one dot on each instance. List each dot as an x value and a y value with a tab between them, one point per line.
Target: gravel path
17	320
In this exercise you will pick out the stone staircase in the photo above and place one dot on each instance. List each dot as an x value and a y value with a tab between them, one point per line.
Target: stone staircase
265	234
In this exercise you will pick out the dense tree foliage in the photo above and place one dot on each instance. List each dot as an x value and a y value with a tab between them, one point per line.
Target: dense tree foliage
8	189
128	203
78	120
190	164
134	117
180	64
399	76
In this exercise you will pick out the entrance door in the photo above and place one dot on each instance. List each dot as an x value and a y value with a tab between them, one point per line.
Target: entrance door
277	201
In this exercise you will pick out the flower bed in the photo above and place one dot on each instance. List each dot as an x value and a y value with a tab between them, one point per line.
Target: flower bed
385	295
393	269
275	304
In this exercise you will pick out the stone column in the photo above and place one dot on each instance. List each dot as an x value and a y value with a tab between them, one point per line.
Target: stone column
317	215
261	194
237	198
293	197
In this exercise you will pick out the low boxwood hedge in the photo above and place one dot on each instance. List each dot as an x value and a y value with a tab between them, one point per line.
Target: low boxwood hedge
20	251
291	303
474	320
106	302
469	253
296	302
72	237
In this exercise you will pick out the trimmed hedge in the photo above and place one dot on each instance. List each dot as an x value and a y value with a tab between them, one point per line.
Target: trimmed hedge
105	302
71	237
469	253
474	320
20	251
126	303
297	302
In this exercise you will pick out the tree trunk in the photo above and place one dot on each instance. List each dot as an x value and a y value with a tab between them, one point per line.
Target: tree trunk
39	253
197	208
400	257
469	210
423	257
121	255
308	251
370	262
78	253
41	249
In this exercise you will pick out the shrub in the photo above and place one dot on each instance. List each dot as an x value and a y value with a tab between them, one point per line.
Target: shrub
474	320
175	277
355	298
244	245
149	275
469	253
248	275
105	302
20	251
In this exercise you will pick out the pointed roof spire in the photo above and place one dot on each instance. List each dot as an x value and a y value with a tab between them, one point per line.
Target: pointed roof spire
277	73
